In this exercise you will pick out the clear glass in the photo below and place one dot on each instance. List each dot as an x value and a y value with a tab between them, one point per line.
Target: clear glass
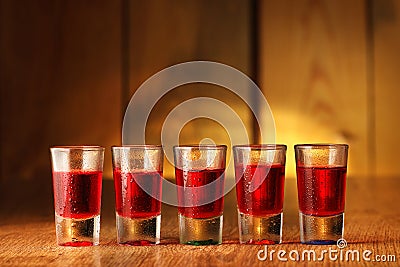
321	186
200	177
260	179
77	179
138	171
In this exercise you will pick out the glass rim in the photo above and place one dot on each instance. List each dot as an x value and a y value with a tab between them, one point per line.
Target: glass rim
148	147
77	147
320	146
261	146
200	147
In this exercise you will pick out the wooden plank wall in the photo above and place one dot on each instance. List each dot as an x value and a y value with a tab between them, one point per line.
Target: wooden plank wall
60	82
330	72
313	70
164	33
328	68
61	65
386	82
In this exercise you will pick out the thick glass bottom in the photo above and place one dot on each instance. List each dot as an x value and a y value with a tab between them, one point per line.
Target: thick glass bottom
77	232
200	232
316	230
263	230
138	231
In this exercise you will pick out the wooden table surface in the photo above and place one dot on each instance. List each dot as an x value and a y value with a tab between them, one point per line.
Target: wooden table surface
372	222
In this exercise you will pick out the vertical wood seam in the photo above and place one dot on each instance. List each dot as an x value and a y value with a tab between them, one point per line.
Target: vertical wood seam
125	55
2	88
254	64
371	116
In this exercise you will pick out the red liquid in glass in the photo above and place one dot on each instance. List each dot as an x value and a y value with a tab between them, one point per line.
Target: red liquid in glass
77	194
131	200
77	244
190	195
268	197
321	190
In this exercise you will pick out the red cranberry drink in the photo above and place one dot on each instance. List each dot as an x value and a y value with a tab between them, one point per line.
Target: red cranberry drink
321	186
321	190
137	182
131	200
200	177
267	198
80	194
260	179
77	176
191	205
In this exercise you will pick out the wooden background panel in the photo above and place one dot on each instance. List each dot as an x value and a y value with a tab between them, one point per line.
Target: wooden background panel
60	64
313	73
164	33
386	34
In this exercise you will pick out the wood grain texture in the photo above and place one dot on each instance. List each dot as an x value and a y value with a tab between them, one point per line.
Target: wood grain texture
60	81
164	33
372	222
313	73
386	38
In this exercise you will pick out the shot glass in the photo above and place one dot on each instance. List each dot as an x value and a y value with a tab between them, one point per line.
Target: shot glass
77	175
137	171
321	184
200	177
260	179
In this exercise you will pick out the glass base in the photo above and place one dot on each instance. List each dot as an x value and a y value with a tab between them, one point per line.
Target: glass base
317	230
260	230
138	231
77	232
200	232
